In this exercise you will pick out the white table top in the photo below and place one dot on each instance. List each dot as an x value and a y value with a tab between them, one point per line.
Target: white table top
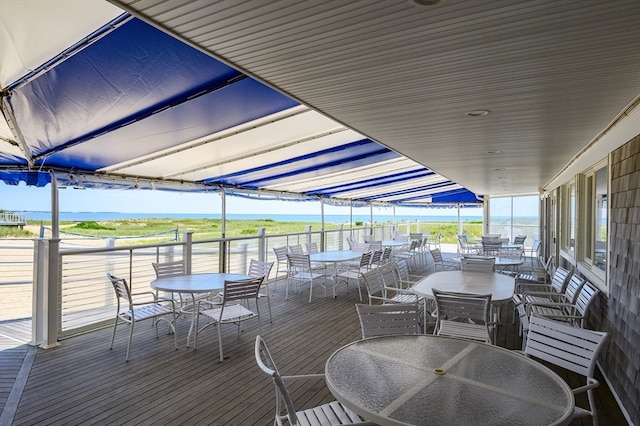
500	261
195	283
425	379
393	243
500	286
335	256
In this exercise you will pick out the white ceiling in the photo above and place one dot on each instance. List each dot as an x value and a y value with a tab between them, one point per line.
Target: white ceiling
554	74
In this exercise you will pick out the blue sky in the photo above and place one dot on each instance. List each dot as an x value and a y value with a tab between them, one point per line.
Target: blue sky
27	198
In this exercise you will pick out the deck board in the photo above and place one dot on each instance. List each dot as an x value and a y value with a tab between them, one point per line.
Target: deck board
83	382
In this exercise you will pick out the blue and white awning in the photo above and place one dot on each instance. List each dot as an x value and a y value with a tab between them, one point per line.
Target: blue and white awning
130	105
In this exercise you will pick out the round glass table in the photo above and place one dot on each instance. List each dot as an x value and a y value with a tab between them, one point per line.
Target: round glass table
425	379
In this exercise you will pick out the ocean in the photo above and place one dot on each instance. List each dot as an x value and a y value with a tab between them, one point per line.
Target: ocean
101	216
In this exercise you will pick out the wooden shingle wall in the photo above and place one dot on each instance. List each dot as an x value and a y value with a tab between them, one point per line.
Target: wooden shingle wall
622	315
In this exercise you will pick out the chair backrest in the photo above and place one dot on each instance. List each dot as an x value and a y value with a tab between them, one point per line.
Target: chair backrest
169	269
572	348
365	261
282	393
399	236
585	298
375	257
519	239
122	289
475	307
491	248
573	287
510	253
535	247
478	264
436	254
241	289
351	241
296	249
389	275
368	238
260	269
386	255
415	235
311	247
281	254
560	279
402	268
375	245
390	318
299	262
363	247
374	283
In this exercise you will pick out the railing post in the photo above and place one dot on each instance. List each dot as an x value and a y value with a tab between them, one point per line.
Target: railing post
222	257
308	231
46	273
243	249
262	245
187	253
340	236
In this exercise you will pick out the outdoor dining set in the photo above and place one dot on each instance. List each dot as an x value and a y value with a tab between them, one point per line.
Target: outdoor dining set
428	352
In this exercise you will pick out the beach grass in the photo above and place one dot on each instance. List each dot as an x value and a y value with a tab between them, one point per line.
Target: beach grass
212	228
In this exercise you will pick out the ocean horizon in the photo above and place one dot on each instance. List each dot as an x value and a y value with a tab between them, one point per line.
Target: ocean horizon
329	218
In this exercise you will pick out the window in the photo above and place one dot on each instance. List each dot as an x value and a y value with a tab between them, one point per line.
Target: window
511	216
593	218
568	218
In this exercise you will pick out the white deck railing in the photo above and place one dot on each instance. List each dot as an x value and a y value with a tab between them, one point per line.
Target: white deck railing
68	286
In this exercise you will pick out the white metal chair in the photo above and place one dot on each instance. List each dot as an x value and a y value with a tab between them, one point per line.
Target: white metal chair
405	278
333	413
391	318
376	290
174	268
478	264
177	268
282	263
130	312
573	313
558	283
571	348
262	269
231	309
464	316
438	261
302	273
353	272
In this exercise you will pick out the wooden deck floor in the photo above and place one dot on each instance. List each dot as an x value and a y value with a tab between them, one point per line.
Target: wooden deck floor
83	382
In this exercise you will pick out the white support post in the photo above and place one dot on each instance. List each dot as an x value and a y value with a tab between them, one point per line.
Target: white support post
262	244
187	253
45	293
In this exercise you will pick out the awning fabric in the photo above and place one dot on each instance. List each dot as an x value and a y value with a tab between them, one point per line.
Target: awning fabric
130	106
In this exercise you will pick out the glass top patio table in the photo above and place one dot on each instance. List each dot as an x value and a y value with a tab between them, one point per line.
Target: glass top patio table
192	284
500	286
394	243
425	379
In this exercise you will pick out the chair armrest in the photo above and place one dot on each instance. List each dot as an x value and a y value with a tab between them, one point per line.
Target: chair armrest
303	377
591	384
146	293
553	297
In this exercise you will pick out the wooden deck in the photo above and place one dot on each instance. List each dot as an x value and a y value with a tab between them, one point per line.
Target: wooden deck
83	382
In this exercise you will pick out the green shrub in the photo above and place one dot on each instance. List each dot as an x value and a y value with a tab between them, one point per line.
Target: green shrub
92	225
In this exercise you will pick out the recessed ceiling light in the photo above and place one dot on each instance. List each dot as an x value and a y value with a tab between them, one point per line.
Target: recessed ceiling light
493	152
478	113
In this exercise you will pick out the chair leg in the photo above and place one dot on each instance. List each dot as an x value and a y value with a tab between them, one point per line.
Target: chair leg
220	341
130	338
113	336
